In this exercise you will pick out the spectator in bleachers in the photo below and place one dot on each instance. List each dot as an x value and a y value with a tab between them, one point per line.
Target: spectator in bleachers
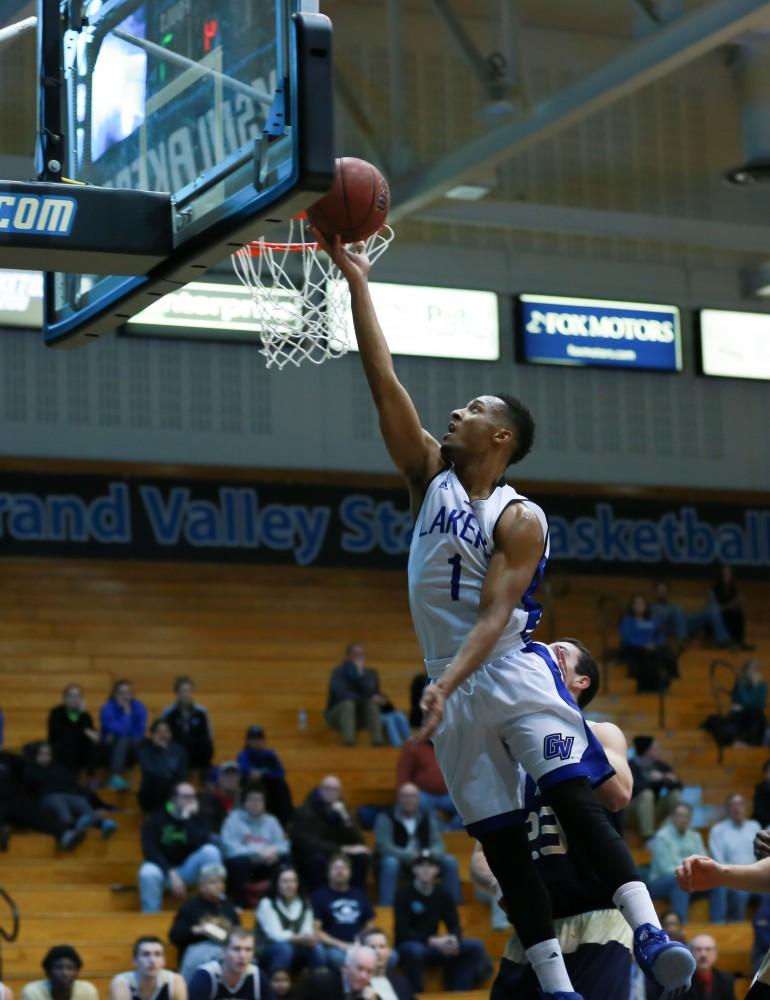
386	982
341	911
234	976
420	908
656	791
223	795
281	985
761	808
286	924
175	846
731	842
725	596
253	844
417	765
123	721
149	977
749	701
11	794
61	965
190	725
56	798
708	982
403	832
323	827
674	622
352	981
674	842
260	764
643	647
354	700
72	734
162	764
202	922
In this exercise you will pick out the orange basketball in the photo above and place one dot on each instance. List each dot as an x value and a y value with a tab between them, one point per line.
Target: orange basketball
357	204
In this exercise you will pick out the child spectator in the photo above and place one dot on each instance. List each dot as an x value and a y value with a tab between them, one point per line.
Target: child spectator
253	843
259	764
123	720
162	763
72	733
190	725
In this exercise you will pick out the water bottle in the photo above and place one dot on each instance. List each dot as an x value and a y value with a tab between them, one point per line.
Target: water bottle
302	720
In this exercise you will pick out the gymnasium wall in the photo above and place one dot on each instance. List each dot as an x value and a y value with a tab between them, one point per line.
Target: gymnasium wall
215	404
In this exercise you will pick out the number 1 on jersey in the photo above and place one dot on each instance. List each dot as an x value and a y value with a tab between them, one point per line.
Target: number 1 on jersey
454	584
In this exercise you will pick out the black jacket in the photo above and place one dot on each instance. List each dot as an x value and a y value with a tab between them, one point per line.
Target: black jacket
196	910
168	841
71	747
418	917
162	768
192	730
318	829
722	988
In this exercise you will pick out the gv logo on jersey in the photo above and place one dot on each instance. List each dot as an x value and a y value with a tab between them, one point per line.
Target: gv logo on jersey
555	745
42	215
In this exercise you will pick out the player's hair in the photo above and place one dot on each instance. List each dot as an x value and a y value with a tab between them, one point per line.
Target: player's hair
147	939
586	666
61	951
237	932
522	422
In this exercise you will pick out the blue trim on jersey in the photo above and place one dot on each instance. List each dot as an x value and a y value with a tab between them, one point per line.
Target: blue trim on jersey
593	764
503	821
531	606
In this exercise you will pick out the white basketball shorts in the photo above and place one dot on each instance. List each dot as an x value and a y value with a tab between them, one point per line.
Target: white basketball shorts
511	711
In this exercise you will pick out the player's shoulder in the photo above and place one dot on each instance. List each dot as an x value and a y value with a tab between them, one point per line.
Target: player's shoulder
609	735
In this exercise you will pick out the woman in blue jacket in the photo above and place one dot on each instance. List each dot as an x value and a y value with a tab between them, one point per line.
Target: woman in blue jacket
123	721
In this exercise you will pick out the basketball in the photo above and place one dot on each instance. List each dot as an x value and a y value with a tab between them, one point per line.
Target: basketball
357	204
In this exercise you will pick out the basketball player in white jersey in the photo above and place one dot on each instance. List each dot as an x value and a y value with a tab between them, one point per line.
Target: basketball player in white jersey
149	979
477	555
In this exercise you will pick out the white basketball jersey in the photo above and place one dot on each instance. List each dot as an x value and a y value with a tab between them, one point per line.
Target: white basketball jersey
448	558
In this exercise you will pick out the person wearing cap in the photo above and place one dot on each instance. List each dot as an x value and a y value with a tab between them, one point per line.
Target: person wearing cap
420	908
259	764
656	790
202	922
253	843
61	966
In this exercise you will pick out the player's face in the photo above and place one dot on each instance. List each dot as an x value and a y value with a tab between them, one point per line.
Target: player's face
238	954
567	658
150	959
471	428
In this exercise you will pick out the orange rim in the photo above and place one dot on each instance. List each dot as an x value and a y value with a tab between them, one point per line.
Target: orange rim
256	248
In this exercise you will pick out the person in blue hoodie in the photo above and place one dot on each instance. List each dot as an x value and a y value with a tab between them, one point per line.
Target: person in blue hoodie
123	721
643	647
262	766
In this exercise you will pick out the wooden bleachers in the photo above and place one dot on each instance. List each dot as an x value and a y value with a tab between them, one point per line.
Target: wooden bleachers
260	642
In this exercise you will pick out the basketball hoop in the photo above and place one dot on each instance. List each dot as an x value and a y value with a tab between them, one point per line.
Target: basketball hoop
300	296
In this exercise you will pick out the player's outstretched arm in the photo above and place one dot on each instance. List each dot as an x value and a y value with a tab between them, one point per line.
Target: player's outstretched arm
698	873
415	453
518	550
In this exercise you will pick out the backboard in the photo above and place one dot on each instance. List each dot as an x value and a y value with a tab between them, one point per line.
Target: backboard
226	107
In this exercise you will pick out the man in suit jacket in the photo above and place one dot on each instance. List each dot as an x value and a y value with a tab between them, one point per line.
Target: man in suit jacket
387	984
708	983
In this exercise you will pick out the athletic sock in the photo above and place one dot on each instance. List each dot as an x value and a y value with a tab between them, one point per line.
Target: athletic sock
633	901
548	965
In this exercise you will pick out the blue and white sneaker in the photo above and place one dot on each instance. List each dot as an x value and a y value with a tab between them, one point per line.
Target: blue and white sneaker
560	995
670	963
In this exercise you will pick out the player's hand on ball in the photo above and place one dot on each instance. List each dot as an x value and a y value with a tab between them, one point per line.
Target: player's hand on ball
697	873
354	264
432	706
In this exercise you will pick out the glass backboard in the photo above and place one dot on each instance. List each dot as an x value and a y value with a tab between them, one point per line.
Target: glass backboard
226	106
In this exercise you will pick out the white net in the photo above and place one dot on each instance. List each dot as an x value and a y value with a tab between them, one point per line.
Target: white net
301	299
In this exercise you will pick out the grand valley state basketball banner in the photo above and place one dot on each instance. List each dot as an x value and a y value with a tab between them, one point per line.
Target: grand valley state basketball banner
311	524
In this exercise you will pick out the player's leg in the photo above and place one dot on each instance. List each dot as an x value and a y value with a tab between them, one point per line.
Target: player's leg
486	788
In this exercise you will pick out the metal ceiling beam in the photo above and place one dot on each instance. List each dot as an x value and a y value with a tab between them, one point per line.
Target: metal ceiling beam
674	45
564	220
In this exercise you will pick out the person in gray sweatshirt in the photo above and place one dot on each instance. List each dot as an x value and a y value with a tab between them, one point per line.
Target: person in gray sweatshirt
253	843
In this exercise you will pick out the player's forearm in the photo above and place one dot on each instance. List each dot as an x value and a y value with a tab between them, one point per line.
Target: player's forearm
476	649
372	345
749	878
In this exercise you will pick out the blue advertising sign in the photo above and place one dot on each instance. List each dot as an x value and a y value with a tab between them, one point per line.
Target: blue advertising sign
596	332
